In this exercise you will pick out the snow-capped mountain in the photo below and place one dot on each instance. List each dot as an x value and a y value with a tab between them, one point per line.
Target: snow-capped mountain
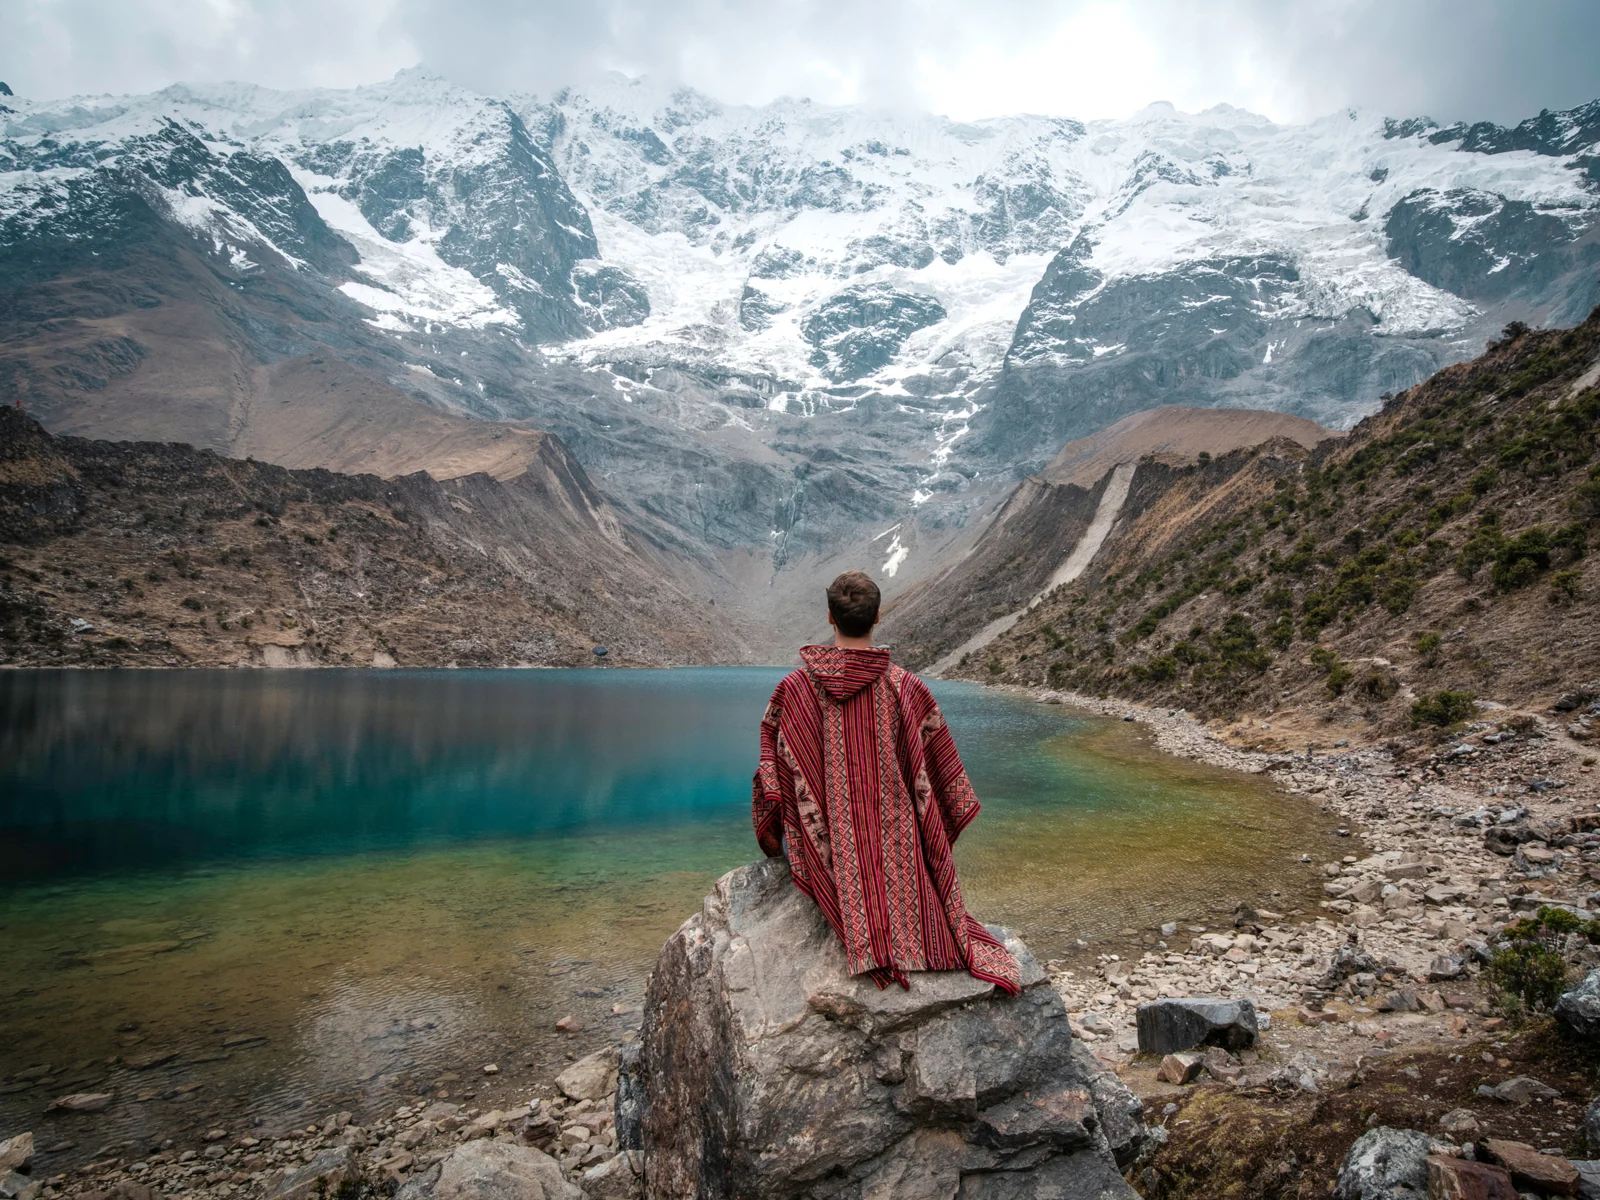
1060	274
773	328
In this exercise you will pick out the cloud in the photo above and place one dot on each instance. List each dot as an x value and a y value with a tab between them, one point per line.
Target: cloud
1451	59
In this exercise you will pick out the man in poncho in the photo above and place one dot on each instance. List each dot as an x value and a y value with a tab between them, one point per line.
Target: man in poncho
860	786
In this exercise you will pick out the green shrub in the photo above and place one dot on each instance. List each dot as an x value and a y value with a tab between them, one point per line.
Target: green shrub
1529	976
1281	632
1336	673
1519	560
1161	668
1339	677
1427	645
1442	708
1378	685
1530	969
1480	548
1397	596
1564	585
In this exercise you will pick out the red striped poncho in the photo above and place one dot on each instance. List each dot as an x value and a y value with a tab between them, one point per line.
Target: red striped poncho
860	784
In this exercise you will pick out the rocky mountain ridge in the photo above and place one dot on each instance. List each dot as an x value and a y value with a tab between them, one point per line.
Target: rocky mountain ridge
780	337
147	554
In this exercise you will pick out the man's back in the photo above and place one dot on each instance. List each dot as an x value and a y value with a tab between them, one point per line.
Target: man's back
861	786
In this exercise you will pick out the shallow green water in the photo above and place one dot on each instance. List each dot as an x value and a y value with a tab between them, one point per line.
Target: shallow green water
389	879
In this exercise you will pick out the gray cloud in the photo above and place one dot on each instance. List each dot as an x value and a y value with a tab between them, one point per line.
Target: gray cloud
1451	59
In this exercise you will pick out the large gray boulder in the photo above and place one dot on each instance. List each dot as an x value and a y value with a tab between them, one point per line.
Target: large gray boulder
1387	1164
767	1070
1579	1009
1168	1026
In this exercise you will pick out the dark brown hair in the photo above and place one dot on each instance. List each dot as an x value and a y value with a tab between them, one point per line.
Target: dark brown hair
853	603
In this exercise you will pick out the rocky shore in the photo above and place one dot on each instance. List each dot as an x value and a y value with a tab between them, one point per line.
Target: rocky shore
1448	844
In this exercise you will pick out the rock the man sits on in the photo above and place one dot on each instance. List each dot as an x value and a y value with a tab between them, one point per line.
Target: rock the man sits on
861	787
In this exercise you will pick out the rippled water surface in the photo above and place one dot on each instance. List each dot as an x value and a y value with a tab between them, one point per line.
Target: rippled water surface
248	897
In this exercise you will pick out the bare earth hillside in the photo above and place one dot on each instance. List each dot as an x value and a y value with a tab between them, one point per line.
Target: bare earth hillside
148	554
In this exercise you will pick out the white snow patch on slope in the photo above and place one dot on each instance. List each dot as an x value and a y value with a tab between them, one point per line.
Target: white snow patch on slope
404	279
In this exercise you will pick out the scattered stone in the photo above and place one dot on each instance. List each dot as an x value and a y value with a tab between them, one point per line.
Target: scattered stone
1445	968
1349	960
492	1170
1404	1000
1459	1122
15	1152
569	1024
591	1077
1518	1091
1312	1016
81	1102
1532	1170
491	1068
1167	1026
1463	1179
1387	1164
1591	1126
616	1178
1179	1069
921	1085
1588	1178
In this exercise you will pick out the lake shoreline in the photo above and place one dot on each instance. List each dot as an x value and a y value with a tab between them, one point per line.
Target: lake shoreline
1421	892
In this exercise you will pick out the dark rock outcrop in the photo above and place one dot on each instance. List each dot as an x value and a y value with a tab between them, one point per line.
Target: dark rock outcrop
1167	1026
771	1072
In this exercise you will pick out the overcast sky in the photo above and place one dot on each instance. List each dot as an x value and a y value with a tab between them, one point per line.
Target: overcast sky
1290	59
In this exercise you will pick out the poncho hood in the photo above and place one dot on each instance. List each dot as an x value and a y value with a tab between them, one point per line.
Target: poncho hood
843	671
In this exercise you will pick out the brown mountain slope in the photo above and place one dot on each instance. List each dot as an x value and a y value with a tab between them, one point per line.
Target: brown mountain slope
1175	435
1440	548
120	553
165	346
1037	529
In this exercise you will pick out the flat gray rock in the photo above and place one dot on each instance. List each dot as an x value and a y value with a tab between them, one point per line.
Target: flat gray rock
766	1070
331	1167
591	1077
491	1170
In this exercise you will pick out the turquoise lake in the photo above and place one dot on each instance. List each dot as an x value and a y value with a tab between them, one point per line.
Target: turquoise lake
237	898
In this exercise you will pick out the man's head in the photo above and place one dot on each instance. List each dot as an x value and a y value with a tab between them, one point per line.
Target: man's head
853	604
